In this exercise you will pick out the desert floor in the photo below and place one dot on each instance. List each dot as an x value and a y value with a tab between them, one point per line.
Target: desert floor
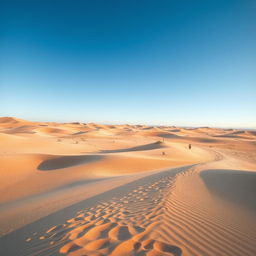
89	189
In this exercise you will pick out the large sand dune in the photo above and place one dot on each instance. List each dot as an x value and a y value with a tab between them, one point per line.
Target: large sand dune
90	189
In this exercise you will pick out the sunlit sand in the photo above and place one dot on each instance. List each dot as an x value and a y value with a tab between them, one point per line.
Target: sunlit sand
88	189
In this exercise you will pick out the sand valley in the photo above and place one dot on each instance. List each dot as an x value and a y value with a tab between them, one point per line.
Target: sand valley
90	189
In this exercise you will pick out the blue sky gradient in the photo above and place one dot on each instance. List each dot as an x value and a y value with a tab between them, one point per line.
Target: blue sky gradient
175	62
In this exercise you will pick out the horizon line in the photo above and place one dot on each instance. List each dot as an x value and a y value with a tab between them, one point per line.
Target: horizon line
132	124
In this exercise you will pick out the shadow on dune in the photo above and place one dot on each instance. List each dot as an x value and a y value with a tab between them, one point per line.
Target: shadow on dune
230	135
206	140
238	134
176	251
61	162
78	133
174	130
203	140
195	139
167	135
236	186
22	129
253	133
149	146
62	188
18	237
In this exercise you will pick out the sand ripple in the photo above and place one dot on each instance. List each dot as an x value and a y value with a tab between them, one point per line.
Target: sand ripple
121	226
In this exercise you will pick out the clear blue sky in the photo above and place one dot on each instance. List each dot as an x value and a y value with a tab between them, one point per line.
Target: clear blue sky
176	62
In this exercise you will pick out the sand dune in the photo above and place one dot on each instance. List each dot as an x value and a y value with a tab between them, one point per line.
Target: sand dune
160	134
95	189
50	130
251	133
231	133
10	138
60	162
150	146
11	120
21	129
202	224
203	140
111	225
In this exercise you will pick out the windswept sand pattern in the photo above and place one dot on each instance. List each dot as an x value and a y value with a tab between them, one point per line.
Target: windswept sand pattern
194	223
121	226
88	189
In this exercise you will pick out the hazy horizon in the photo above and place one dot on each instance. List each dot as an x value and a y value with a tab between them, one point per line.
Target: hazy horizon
83	121
150	62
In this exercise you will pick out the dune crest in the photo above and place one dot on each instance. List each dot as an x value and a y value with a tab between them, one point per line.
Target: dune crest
150	146
94	189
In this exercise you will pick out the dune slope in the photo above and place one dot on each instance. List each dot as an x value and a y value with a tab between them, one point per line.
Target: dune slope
88	189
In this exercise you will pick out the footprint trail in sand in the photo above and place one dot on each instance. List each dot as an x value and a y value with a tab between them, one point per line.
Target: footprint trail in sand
122	226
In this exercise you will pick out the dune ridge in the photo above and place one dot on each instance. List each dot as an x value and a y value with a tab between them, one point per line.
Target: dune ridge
94	189
150	146
199	224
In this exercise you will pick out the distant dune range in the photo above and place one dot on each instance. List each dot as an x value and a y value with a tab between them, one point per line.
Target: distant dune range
93	189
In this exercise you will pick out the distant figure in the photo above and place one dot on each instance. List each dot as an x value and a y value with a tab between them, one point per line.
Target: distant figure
163	153
189	146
